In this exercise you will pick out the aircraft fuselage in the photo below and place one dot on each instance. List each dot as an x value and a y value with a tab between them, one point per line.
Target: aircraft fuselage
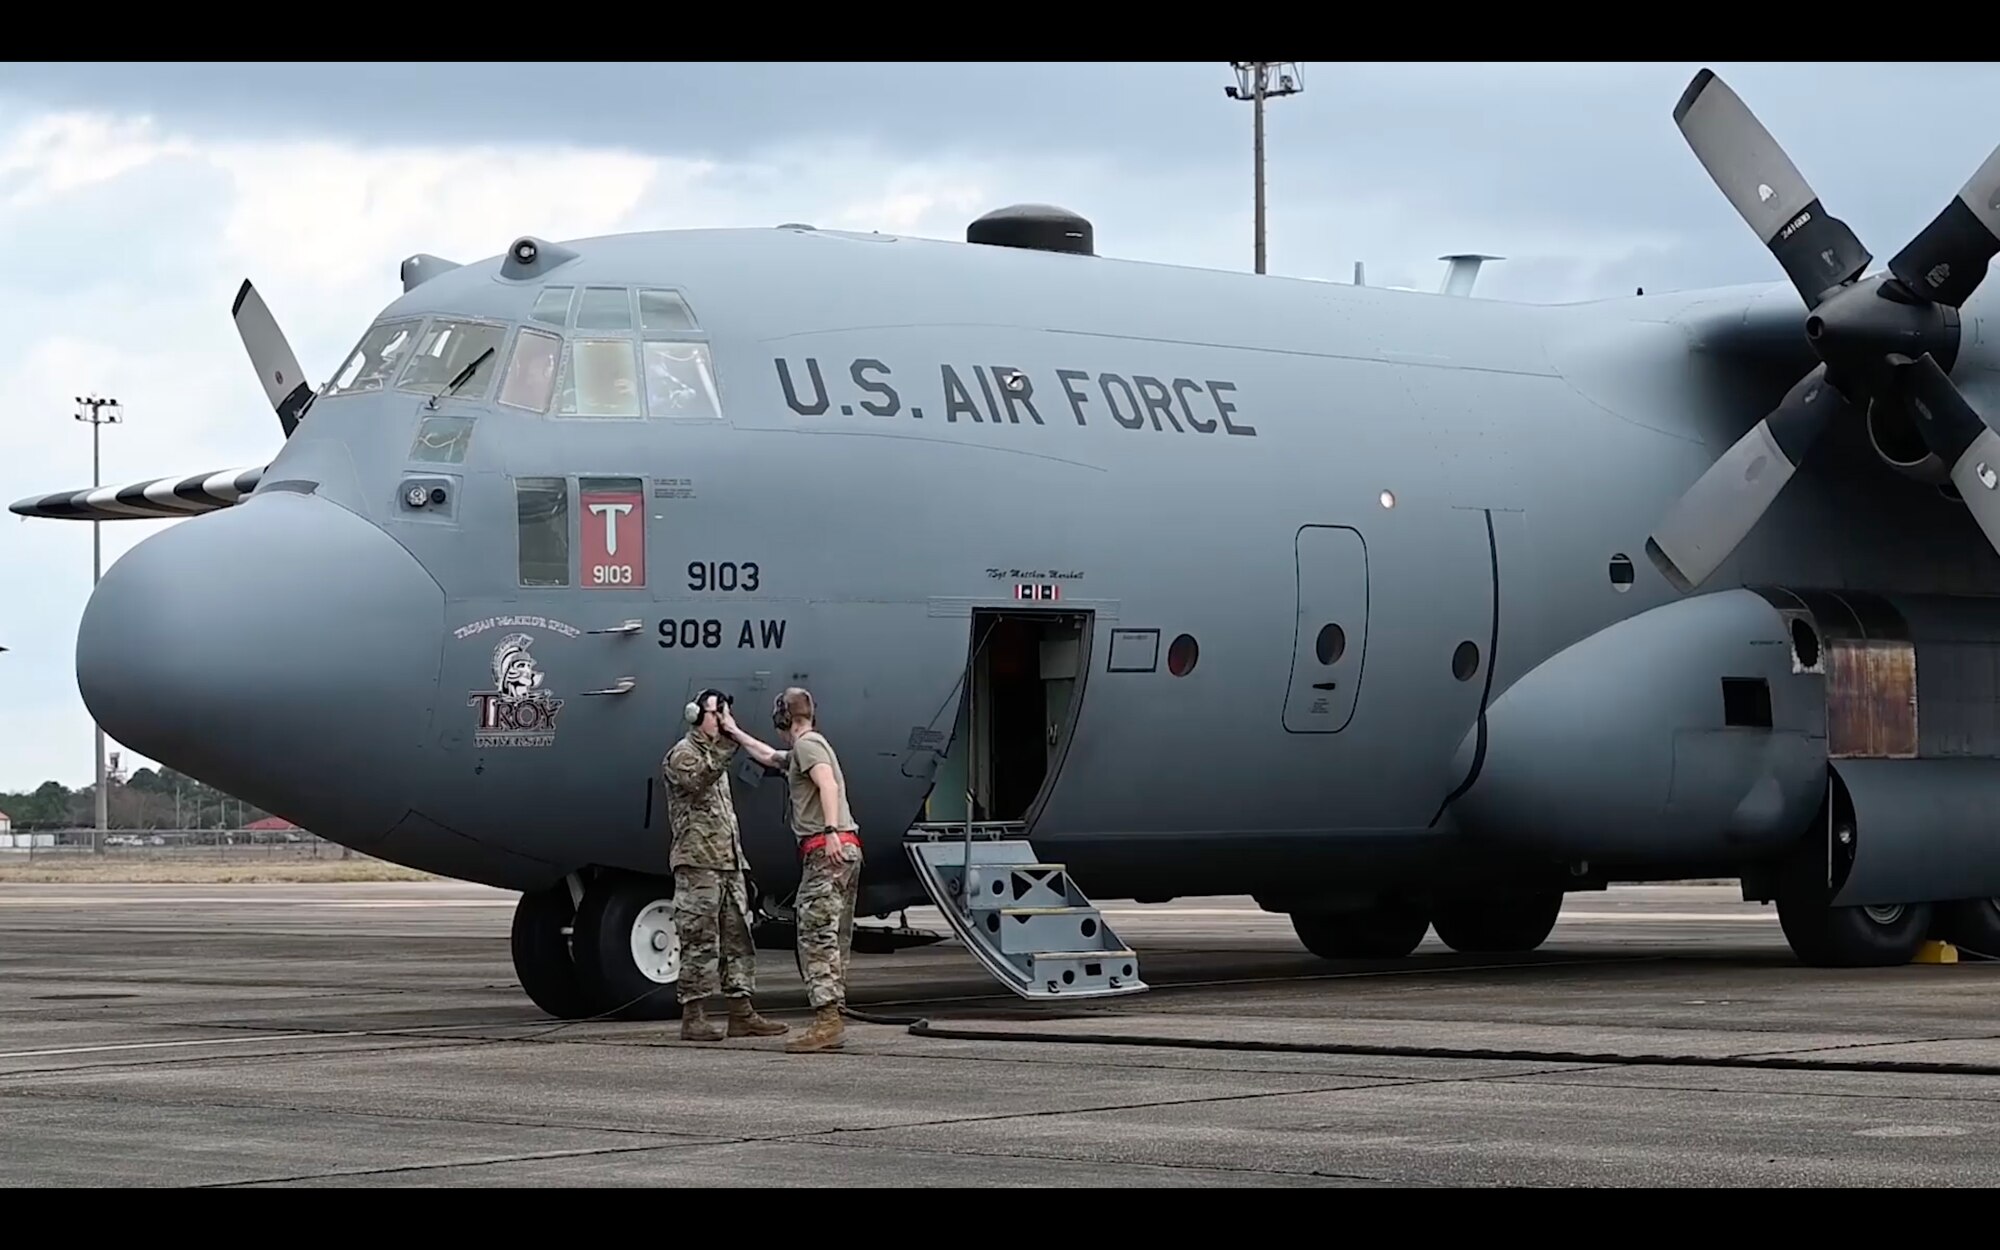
1213	467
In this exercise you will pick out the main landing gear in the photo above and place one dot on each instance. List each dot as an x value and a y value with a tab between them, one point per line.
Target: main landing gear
1393	928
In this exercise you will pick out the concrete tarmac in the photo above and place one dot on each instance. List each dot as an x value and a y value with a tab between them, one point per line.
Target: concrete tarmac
374	1035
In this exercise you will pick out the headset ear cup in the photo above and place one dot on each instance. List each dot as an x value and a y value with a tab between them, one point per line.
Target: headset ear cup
694	710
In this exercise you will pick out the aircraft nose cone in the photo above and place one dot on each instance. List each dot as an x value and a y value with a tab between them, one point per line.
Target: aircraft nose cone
284	650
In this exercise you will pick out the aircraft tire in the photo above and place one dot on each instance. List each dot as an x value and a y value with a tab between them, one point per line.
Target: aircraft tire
1973	925
542	962
1386	930
621	911
1826	936
1853	937
1497	926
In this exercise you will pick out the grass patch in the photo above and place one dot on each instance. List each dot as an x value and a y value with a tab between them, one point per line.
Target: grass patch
192	870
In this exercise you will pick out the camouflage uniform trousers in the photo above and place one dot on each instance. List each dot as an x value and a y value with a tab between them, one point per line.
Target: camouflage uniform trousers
825	911
712	916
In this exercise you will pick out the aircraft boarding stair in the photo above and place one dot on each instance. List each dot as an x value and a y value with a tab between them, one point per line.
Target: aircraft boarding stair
1024	920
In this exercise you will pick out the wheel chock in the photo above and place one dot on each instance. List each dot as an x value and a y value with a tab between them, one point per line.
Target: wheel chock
1936	953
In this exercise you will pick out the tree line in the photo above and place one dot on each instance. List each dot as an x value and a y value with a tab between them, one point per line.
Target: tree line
151	798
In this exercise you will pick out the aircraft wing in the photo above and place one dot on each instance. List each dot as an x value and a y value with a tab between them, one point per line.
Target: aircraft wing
159	499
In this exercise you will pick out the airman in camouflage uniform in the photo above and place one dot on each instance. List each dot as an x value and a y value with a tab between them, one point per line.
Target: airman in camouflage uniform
830	846
711	903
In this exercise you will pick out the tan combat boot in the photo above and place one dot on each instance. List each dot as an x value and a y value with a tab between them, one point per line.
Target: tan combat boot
826	1032
745	1022
696	1026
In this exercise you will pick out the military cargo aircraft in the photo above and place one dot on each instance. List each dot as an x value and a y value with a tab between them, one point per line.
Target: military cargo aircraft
1397	611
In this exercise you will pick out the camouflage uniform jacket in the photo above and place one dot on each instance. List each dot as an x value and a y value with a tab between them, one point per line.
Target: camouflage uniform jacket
699	808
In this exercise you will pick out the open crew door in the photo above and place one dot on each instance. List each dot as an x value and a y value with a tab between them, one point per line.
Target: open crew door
1024	920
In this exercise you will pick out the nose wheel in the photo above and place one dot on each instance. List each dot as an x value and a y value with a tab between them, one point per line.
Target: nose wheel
656	943
617	953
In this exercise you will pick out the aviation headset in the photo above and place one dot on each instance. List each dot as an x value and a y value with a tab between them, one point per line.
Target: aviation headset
781	717
692	712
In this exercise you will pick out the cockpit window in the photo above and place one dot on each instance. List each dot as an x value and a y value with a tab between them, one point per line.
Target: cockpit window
679	381
598	378
552	305
531	370
375	358
442	440
446	349
542	505
604	308
653	365
664	310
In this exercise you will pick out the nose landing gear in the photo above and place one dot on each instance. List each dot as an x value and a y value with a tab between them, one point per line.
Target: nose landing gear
609	949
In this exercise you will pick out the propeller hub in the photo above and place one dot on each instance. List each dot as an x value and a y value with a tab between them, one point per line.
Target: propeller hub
1859	327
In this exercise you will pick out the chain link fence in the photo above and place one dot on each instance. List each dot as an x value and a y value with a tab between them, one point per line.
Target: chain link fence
53	845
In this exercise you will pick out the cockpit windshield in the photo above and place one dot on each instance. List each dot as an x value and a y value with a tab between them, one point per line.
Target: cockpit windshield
375	358
445	351
629	353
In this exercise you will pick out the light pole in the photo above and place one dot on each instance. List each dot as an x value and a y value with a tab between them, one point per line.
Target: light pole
102	412
1253	83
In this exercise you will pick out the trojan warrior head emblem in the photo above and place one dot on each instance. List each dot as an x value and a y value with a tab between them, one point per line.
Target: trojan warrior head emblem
515	673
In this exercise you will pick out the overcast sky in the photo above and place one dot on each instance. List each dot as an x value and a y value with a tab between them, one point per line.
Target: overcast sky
137	197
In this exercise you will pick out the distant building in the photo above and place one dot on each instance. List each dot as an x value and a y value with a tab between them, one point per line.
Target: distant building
6	823
275	829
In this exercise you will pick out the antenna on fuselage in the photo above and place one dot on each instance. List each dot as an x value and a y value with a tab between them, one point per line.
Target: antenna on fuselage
1462	272
422	267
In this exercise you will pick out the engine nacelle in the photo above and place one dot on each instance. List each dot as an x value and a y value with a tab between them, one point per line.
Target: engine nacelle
1688	732
1723	728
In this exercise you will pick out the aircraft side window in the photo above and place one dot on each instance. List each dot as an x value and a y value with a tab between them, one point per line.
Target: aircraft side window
665	310
604	308
552	305
442	440
543	507
598	378
446	348
369	366
531	370
680	381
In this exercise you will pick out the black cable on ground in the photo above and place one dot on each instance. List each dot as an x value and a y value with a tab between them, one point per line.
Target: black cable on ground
869	1018
922	1027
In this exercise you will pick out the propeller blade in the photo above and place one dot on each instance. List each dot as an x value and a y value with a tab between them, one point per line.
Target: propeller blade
271	355
1947	261
1816	249
1957	433
1720	509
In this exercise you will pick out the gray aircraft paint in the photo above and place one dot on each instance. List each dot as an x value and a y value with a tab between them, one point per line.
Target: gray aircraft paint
873	533
1524	448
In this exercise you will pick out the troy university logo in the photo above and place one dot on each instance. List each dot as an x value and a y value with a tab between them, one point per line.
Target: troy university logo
516	712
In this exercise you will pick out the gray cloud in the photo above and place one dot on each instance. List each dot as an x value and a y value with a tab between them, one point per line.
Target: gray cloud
1489	155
